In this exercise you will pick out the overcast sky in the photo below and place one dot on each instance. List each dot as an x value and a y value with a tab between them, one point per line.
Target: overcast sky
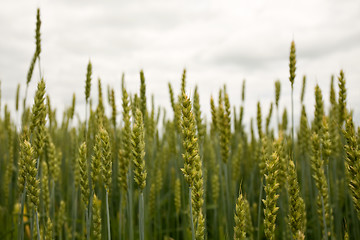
218	44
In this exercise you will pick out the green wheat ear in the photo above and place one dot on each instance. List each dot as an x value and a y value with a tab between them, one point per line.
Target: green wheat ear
284	123
197	112
243	91
259	121
303	89
224	126
61	218
215	187
271	188
326	141
193	166
37	50
113	107
268	119
183	82
100	110
177	195
265	154
323	202
32	183
31	68
17	97
38	120
352	163
319	111
84	173
152	198
72	108
10	157
88	81
200	229
53	157
125	152
96	160
172	99
189	140
37	32
342	98
239	228
332	97
277	93
38	110
106	163
143	95
214	115
297	211
138	150
248	222
22	161
96	208
45	195
292	64
176	109
49	229
123	170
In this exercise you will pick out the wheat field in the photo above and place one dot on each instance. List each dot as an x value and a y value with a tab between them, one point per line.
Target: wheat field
138	174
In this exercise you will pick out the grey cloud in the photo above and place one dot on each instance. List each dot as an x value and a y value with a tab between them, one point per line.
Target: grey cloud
218	43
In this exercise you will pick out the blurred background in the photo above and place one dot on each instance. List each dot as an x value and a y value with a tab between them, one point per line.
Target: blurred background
218	43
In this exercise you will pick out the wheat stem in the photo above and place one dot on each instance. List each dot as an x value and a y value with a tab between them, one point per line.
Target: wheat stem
120	214
37	224
259	207
141	216
191	216
108	215
22	213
